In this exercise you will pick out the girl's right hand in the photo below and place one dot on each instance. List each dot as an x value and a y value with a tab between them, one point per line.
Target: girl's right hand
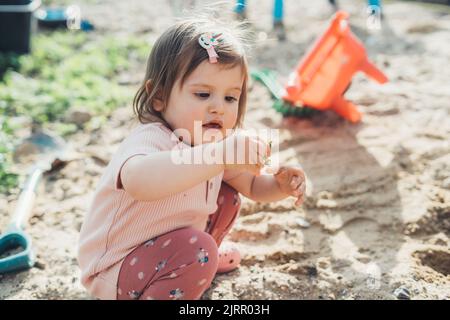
244	152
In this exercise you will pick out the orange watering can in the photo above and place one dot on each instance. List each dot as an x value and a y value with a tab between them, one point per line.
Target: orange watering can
324	74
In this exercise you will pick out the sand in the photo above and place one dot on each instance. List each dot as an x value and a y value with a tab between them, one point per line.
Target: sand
377	216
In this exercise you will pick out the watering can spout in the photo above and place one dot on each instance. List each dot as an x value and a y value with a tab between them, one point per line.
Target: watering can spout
373	72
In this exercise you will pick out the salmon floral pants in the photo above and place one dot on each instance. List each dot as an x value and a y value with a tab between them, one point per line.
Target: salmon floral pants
180	264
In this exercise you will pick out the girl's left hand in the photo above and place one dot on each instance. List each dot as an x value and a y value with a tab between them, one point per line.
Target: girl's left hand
291	181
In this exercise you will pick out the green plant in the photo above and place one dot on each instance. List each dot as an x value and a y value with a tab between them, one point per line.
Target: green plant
65	69
8	179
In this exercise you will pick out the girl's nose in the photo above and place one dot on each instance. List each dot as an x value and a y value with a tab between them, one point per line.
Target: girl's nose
217	106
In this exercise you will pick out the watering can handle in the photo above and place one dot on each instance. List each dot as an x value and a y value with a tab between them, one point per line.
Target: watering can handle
26	199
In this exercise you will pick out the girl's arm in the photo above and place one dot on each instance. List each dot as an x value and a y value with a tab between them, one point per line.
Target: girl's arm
263	188
287	181
155	176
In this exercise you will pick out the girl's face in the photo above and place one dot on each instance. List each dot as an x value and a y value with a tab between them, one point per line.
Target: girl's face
208	98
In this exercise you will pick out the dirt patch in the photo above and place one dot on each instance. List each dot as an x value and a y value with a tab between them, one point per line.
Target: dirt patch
439	261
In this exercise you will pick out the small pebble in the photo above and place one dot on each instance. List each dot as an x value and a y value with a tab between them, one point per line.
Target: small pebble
326	204
402	293
78	116
39	265
302	222
446	183
312	271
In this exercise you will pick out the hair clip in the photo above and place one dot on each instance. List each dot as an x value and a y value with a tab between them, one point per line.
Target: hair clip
208	41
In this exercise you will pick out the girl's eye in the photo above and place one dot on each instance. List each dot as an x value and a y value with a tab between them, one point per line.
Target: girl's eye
230	99
202	95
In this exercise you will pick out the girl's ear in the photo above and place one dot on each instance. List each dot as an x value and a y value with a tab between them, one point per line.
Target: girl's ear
148	86
158	103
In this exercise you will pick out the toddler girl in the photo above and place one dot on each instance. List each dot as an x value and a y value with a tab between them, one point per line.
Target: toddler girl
155	224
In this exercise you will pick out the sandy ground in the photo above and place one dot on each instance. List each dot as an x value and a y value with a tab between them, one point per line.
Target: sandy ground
378	211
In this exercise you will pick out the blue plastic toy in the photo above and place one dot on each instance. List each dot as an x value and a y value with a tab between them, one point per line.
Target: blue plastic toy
277	9
62	18
15	244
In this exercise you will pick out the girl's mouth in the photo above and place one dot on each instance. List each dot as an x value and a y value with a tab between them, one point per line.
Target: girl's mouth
213	125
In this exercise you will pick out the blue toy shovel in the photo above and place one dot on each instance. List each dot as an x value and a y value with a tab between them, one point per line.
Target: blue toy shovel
48	150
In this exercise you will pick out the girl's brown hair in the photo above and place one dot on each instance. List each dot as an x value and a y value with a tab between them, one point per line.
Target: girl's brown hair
176	54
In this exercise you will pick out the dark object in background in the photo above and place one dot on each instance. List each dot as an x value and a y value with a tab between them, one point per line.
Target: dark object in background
17	23
447	2
14	2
